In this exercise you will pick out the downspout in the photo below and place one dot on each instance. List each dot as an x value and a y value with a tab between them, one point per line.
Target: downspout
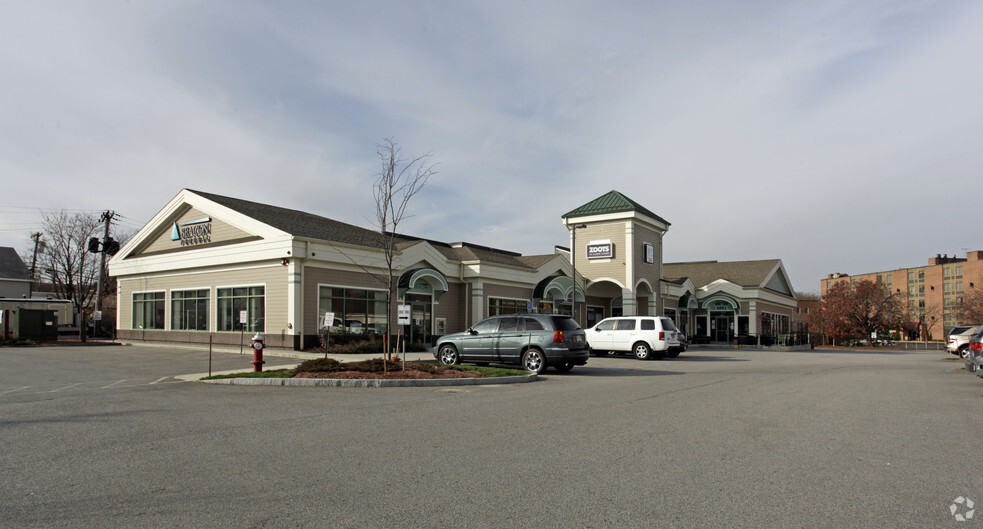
467	297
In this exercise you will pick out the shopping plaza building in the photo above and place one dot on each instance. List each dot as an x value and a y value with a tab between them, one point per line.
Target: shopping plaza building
210	268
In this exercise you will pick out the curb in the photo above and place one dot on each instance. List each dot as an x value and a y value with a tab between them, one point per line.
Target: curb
372	382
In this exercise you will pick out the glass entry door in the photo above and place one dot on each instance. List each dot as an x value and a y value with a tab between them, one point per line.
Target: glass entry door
421	319
722	326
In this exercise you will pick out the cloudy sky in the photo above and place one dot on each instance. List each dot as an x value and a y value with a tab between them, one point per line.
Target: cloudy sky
838	136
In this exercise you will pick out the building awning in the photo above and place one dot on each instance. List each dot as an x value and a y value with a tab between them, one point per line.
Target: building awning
688	302
556	288
422	281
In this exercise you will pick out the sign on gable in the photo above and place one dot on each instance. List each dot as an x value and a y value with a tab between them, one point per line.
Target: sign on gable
193	232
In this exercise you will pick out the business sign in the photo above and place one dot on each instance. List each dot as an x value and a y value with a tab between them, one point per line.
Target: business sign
193	232
403	314
600	250
721	306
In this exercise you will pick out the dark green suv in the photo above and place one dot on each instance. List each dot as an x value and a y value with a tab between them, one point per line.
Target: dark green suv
534	341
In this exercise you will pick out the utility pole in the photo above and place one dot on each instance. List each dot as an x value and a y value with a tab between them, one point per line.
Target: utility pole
106	218
34	262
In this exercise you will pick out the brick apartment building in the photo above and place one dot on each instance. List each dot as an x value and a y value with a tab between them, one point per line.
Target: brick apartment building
934	292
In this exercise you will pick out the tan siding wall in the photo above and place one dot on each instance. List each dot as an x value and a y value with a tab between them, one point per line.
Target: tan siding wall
595	268
274	278
339	278
451	307
642	269
771	307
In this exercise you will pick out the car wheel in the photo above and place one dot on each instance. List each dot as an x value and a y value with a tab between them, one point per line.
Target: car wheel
964	351
448	355
642	351
534	361
564	367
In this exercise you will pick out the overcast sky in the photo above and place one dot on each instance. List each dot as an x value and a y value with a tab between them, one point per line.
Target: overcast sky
837	136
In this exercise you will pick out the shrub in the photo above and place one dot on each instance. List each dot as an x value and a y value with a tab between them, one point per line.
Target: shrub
330	365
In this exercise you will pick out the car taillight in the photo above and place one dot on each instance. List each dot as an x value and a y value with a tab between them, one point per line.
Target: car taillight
557	336
662	335
976	346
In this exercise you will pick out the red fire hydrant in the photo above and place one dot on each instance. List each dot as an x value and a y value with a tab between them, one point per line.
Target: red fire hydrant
258	353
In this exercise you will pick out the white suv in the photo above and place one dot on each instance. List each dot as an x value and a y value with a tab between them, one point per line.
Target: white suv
645	336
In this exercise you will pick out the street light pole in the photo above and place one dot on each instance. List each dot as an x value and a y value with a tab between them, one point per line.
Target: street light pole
573	260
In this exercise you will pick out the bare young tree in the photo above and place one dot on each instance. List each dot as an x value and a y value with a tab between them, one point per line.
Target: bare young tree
970	310
399	179
66	263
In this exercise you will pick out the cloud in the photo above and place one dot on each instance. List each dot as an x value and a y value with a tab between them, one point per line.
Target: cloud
829	135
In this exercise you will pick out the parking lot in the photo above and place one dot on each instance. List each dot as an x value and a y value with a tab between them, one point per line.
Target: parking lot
108	437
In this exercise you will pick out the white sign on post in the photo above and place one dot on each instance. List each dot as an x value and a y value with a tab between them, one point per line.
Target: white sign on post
403	315
243	317
97	315
328	319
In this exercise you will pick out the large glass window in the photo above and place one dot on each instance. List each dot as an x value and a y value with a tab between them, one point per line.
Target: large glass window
231	303
148	310
356	310
498	306
189	310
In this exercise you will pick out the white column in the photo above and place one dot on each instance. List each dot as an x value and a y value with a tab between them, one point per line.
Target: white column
477	302
295	300
629	304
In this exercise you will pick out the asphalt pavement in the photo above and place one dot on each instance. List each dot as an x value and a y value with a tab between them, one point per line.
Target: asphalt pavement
112	437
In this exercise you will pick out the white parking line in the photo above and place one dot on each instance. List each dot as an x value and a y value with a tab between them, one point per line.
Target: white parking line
66	387
13	390
160	379
113	384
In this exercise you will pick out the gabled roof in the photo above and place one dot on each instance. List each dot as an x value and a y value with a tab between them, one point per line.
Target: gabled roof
752	274
299	223
11	265
613	202
307	225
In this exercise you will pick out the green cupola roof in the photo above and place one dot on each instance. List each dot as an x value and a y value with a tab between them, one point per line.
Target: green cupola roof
613	202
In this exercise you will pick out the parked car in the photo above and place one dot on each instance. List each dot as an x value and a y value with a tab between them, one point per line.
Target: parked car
534	341
645	336
974	354
958	340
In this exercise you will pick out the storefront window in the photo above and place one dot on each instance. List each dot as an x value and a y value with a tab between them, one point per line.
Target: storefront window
148	310
498	306
189	310
231	303
356	310
594	315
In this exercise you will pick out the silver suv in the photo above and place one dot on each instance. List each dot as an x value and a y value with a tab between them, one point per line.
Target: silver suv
534	341
958	341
